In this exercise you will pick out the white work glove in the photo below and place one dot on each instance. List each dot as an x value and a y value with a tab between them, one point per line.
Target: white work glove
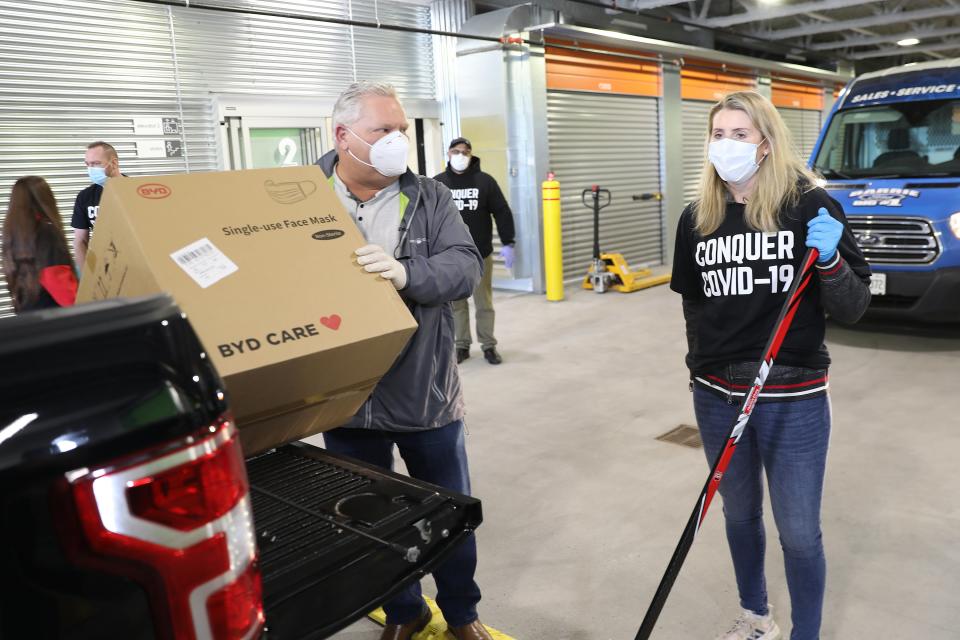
374	259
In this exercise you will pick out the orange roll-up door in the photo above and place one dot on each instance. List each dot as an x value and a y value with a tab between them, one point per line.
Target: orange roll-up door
569	70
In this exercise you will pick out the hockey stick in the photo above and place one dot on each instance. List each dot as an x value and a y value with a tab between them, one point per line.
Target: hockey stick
720	465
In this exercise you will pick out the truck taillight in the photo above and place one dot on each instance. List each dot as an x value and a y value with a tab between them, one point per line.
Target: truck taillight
190	495
179	522
236	609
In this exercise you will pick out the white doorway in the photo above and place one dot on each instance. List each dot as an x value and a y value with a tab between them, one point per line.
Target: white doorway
277	132
261	143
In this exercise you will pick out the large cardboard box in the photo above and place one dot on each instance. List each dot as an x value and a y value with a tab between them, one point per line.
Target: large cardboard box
262	263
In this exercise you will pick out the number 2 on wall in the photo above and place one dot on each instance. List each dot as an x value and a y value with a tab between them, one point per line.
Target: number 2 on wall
287	149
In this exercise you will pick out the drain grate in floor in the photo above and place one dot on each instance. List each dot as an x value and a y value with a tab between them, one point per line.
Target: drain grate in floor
683	435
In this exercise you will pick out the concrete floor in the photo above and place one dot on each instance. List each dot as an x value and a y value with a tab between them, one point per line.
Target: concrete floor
583	506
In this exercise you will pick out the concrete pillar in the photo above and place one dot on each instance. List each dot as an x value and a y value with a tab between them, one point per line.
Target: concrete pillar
448	15
671	145
765	85
828	101
502	97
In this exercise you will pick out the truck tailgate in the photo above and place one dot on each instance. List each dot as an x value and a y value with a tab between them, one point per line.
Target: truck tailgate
337	537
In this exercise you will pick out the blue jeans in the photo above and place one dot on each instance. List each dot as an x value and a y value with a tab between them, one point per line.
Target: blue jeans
437	456
789	441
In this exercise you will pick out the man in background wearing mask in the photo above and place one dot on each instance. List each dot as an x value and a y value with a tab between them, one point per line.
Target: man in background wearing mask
102	163
479	199
418	242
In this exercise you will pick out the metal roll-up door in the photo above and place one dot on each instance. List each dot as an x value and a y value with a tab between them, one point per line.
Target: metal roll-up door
259	55
804	124
695	115
80	71
612	141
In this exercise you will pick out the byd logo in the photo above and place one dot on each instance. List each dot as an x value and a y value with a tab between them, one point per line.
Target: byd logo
154	191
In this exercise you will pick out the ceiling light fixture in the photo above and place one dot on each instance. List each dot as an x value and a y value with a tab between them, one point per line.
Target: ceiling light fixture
908	42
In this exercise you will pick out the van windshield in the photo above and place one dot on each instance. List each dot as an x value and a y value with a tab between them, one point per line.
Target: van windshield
905	139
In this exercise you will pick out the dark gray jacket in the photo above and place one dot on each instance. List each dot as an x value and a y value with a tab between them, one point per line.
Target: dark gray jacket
422	389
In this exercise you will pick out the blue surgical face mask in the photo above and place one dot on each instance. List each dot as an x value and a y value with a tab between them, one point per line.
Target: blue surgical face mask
98	175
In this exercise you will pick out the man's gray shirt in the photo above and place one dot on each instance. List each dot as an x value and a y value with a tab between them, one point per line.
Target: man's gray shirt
378	218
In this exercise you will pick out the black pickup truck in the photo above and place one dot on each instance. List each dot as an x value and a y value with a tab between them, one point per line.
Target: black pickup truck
127	509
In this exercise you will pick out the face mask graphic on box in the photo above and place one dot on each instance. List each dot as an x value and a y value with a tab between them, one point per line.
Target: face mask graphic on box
289	192
388	155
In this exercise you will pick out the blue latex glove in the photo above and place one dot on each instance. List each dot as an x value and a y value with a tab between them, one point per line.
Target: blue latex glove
506	252
823	234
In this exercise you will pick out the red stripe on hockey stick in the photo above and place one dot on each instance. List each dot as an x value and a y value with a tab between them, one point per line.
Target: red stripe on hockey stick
717	476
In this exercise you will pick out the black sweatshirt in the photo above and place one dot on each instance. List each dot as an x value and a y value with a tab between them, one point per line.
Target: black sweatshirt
734	282
480	201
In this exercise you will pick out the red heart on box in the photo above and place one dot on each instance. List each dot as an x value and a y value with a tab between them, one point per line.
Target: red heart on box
331	322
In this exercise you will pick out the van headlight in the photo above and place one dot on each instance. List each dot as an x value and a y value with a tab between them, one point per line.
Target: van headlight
955	224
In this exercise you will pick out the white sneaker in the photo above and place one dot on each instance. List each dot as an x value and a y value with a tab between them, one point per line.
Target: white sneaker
750	626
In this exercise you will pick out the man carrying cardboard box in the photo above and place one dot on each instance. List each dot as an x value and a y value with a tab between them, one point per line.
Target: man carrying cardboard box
417	241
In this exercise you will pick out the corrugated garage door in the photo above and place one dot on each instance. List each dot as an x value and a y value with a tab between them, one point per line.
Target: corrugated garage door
612	141
79	72
268	56
801	106
82	70
695	114
804	124
702	84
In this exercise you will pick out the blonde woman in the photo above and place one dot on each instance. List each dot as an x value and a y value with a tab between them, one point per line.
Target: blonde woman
738	248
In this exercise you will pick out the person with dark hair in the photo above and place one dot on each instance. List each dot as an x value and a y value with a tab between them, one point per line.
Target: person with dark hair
481	202
102	162
36	261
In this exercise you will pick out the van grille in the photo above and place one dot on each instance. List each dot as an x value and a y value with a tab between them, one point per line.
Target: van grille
895	240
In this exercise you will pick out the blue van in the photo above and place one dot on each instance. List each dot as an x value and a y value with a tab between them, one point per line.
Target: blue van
890	153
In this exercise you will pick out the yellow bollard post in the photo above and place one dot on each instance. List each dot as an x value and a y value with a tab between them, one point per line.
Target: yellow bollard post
552	239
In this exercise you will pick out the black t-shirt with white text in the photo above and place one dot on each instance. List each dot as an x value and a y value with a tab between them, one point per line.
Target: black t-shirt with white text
741	276
86	207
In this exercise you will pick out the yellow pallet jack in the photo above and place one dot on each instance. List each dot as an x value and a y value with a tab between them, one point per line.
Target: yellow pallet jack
610	270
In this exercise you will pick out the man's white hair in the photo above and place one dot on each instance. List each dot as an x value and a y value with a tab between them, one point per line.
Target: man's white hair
349	105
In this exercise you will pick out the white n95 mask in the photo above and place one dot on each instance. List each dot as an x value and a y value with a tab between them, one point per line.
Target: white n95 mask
459	162
734	160
388	155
